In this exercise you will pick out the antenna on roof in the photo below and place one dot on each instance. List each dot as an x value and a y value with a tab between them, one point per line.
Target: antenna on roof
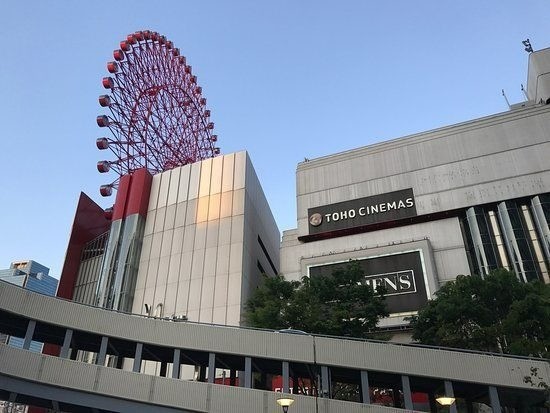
528	47
506	99
524	92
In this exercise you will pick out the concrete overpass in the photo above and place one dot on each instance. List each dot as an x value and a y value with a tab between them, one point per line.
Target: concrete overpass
121	344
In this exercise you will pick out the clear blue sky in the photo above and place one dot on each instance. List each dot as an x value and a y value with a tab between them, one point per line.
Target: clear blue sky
284	79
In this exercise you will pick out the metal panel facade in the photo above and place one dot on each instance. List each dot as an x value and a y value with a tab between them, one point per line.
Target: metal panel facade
195	261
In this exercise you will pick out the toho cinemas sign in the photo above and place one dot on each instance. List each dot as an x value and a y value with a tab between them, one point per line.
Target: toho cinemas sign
363	211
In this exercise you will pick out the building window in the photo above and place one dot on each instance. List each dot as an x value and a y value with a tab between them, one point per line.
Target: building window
537	250
498	239
262	246
508	235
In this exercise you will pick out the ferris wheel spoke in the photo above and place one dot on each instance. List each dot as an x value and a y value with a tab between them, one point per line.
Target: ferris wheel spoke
158	117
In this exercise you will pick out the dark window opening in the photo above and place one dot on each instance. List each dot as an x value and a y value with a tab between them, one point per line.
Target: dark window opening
275	271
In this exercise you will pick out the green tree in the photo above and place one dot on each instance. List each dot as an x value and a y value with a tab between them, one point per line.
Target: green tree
496	313
267	308
527	325
339	304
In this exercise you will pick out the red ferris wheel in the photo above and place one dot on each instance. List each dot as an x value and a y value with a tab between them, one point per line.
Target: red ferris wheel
157	114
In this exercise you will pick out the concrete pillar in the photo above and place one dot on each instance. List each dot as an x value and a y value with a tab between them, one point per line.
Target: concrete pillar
137	358
29	334
325	382
248	372
176	364
495	401
407	396
449	391
64	353
365	387
211	367
102	351
286	380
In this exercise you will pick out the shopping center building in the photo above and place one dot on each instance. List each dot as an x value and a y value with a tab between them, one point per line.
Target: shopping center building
420	210
417	211
189	243
193	243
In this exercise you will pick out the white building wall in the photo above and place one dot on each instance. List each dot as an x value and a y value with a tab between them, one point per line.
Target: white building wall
200	248
446	249
538	79
483	161
490	159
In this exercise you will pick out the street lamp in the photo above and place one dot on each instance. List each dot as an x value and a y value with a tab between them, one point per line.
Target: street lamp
284	403
445	400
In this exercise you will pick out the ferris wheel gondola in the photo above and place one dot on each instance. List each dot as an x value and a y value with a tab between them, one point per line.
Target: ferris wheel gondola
157	115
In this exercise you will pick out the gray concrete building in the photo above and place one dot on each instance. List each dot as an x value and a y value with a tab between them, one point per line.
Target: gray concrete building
419	210
31	276
191	242
415	211
209	236
379	377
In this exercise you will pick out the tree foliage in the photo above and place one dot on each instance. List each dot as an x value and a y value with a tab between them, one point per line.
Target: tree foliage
497	313
267	306
339	304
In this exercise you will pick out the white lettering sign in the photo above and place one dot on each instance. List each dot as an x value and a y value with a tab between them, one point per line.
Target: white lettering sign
400	282
369	210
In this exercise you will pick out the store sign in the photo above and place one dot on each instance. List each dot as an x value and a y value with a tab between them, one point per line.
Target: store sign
400	274
399	282
364	211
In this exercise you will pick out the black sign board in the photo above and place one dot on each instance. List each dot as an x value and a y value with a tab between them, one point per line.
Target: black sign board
363	211
401	274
